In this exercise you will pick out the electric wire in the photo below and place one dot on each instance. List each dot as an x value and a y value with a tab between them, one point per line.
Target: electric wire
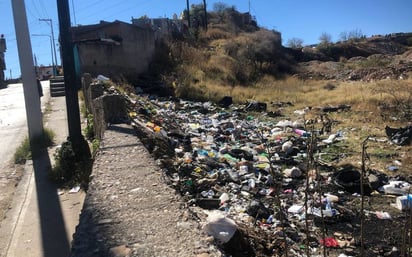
121	11
43	8
113	9
34	5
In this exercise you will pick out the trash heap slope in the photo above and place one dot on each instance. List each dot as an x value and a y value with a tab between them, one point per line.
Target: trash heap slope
261	181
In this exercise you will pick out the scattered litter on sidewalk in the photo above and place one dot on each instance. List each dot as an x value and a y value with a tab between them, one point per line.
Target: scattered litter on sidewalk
75	189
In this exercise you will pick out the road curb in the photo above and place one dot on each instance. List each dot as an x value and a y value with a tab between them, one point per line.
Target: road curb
9	226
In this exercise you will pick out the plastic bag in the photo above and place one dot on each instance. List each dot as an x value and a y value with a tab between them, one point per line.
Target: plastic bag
220	227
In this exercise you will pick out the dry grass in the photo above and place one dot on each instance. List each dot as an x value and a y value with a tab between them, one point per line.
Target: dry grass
221	70
216	32
363	97
222	65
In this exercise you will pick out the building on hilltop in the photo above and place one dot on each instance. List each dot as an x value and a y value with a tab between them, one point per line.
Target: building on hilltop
163	28
45	72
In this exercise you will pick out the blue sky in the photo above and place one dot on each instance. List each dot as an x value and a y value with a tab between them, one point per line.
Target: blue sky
304	19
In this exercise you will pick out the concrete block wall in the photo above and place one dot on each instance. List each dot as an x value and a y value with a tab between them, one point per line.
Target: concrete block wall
105	107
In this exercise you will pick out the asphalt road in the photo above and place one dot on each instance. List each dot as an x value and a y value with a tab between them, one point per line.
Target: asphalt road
13	125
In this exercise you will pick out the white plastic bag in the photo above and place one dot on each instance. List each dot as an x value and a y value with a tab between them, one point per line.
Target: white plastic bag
220	227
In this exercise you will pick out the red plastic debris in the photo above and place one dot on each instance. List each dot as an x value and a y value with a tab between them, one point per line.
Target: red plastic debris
329	242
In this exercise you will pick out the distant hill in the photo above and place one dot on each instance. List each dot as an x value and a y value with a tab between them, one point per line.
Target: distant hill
234	51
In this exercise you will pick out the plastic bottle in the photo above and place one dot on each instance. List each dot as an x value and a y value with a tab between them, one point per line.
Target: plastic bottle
215	123
328	205
251	182
207	194
329	212
209	139
224	198
187	157
300	132
332	198
243	169
202	152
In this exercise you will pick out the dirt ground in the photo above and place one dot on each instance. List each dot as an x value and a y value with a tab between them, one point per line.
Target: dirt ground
130	211
9	179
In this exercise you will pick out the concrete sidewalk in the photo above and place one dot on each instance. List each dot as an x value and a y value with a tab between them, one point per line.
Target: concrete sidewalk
42	219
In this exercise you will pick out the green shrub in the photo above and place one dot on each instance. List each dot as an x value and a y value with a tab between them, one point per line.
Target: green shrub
95	146
89	129
72	168
48	137
24	152
409	41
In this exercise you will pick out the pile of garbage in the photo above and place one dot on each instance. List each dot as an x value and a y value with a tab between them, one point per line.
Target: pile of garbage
263	183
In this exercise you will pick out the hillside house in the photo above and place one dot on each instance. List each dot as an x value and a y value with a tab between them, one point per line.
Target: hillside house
163	28
114	49
44	72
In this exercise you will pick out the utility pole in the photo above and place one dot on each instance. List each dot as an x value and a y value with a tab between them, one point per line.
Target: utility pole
72	101
30	90
49	21
188	13
3	49
205	11
74	14
51	49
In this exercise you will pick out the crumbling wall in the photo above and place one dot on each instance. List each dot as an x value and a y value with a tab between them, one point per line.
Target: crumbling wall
127	57
105	107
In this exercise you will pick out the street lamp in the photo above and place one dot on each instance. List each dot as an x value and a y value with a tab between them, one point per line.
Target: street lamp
51	49
49	21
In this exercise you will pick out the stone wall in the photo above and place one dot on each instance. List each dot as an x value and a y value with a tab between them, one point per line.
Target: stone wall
105	107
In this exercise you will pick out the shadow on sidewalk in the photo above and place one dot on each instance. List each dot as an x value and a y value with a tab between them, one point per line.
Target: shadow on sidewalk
52	225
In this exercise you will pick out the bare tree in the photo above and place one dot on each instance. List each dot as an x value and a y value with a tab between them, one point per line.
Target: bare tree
295	43
325	38
344	36
220	7
353	35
